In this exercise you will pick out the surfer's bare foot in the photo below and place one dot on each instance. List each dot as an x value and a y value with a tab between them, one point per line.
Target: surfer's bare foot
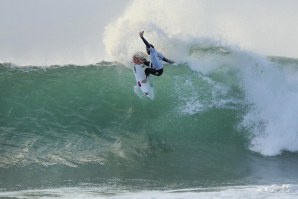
144	81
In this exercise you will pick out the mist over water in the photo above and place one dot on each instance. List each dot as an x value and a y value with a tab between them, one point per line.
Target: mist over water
263	27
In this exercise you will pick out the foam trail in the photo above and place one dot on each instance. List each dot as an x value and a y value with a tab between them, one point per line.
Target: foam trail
209	45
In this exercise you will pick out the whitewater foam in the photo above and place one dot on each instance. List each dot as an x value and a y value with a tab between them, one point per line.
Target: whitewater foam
108	191
166	22
270	89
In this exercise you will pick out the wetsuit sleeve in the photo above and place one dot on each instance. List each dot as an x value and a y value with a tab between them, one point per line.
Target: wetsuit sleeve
146	42
167	60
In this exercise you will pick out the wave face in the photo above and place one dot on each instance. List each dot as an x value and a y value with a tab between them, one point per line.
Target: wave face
73	124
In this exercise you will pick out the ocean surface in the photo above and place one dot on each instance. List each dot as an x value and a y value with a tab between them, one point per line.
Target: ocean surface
222	127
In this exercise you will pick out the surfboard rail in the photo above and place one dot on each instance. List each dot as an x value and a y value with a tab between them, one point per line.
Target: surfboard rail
143	83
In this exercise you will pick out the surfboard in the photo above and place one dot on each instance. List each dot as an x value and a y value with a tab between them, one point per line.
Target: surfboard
142	88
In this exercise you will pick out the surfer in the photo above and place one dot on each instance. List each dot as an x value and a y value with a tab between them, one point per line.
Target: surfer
156	65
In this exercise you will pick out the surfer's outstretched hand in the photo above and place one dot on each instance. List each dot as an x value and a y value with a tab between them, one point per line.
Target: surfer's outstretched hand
171	62
141	33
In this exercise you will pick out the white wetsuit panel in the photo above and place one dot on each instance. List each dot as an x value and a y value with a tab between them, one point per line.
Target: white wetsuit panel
156	59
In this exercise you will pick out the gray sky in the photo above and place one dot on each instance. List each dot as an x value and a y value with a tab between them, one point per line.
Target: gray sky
37	31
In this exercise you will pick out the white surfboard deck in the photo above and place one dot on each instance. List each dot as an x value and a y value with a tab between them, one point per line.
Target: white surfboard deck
146	87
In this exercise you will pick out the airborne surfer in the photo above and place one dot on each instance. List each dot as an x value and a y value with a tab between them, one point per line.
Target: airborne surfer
155	67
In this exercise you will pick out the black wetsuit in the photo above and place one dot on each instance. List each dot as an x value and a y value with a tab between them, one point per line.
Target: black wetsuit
151	70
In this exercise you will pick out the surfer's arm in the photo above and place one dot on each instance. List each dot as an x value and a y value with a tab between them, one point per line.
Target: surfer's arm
167	60
144	40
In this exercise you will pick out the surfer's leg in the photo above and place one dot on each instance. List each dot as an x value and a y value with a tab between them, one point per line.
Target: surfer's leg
152	71
149	71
